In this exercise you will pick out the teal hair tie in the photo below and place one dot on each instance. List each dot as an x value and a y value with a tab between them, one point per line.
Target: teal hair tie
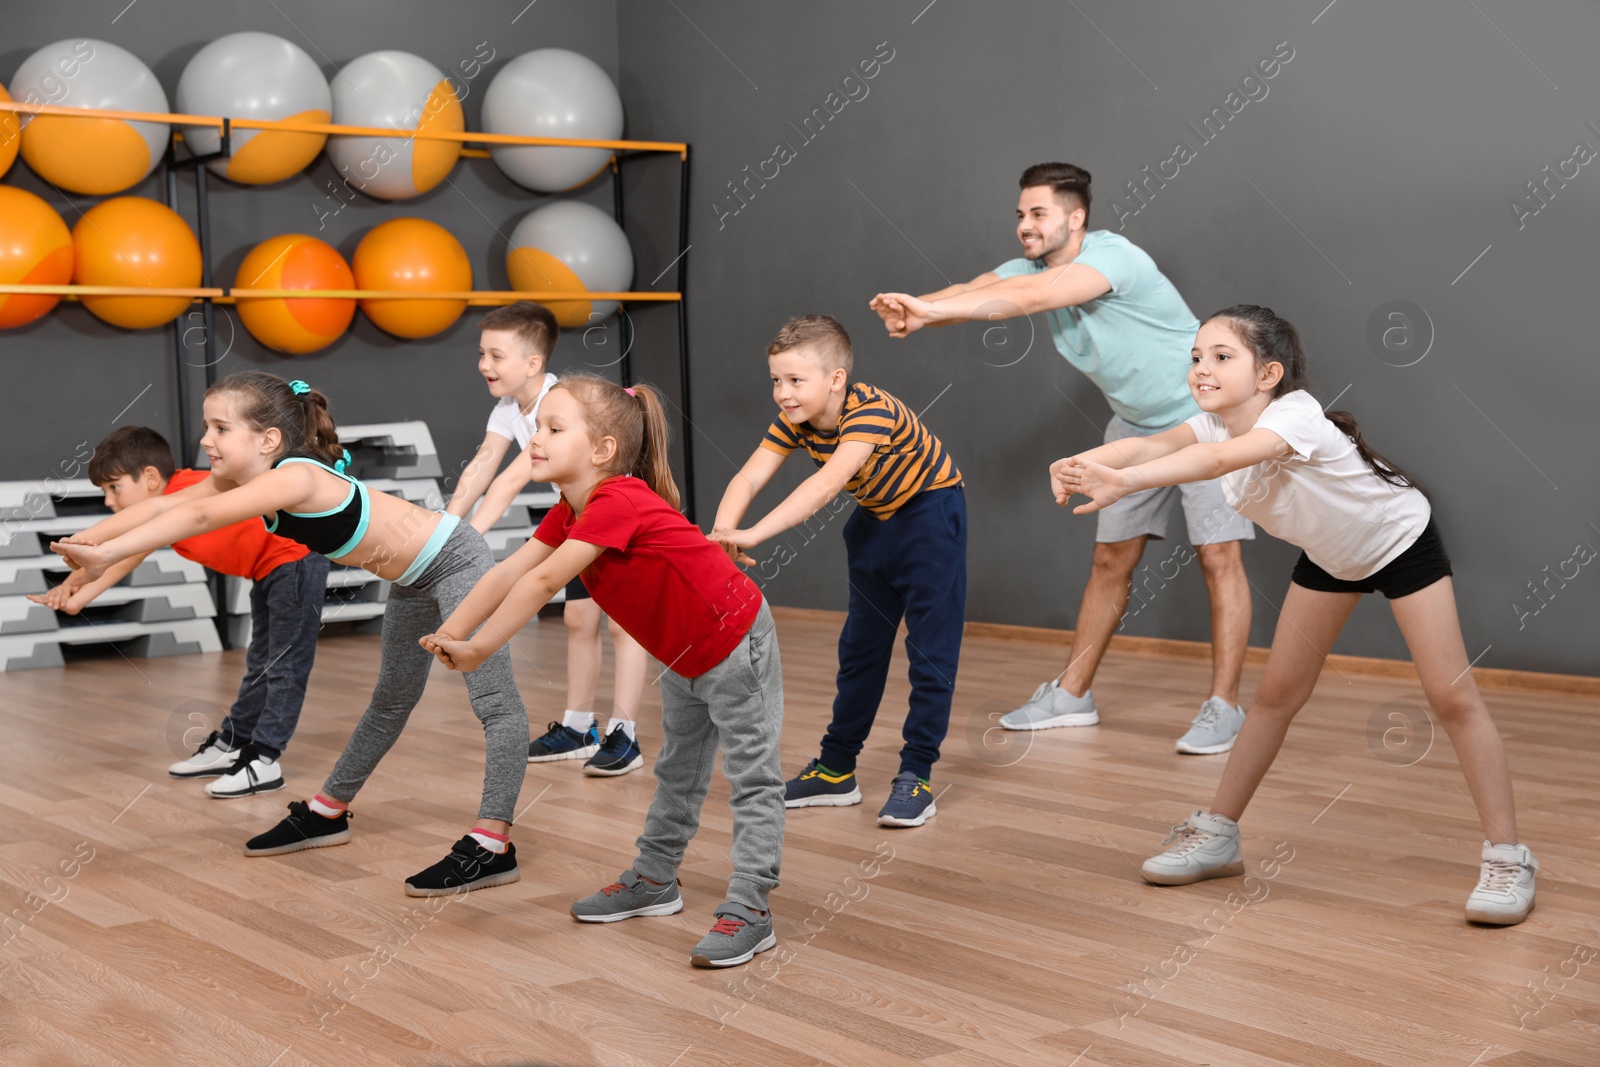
343	462
299	388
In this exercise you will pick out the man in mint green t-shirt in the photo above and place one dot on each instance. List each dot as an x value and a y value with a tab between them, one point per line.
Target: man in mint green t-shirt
1115	317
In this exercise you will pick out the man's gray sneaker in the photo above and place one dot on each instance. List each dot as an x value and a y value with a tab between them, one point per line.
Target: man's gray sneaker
1201	846
738	934
1050	706
627	897
1213	730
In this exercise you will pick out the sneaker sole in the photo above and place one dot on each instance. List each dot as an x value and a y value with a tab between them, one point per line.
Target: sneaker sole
890	820
1206	750
653	909
268	787
325	841
700	959
1191	877
611	772
209	772
1077	718
487	882
1492	919
577	753
840	800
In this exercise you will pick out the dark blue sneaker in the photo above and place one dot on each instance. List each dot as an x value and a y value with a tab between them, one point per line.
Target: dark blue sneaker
910	802
818	788
563	742
618	754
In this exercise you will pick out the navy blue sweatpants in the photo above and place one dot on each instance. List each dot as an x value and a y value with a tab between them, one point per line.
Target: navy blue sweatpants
911	565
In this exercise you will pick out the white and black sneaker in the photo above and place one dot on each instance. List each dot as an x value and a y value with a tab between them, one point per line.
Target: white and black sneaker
209	760
253	773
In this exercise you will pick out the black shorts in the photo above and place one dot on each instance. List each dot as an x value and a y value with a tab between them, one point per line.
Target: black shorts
576	590
1418	567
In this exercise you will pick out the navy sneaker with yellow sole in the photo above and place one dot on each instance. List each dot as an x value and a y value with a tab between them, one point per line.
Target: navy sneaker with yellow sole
910	802
818	787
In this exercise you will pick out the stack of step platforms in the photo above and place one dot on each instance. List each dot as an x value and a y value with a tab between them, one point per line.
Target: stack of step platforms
164	608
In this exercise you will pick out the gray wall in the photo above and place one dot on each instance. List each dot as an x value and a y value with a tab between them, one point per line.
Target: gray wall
1379	165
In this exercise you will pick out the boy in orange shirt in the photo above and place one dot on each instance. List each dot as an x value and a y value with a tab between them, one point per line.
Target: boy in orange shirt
134	464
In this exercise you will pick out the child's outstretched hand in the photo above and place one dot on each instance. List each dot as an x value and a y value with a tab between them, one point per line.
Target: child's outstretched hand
82	554
456	655
734	542
61	597
1102	485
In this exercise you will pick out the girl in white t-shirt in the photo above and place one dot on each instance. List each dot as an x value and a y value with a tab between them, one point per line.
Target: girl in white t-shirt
1364	527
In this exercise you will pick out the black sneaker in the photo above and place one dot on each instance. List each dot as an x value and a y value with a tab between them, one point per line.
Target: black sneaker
618	755
303	828
469	866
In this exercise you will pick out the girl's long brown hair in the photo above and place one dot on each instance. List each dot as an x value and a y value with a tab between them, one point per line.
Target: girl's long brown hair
638	423
1272	339
266	402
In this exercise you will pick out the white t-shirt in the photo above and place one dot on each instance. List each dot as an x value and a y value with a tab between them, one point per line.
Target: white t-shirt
1324	498
509	422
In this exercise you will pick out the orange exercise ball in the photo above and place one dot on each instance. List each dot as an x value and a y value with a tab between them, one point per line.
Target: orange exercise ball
414	255
132	241
10	134
295	325
35	249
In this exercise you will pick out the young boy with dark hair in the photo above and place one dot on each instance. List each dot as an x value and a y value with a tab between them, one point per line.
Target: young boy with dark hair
134	464
906	545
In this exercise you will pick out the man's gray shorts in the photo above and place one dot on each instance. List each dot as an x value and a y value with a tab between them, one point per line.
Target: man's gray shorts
1146	513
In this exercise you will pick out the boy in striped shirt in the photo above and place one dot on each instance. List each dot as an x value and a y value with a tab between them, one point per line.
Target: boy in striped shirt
906	545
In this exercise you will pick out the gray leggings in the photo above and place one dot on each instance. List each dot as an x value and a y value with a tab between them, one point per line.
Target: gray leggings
416	610
737	706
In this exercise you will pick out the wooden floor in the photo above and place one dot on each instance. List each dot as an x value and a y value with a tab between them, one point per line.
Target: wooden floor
1012	929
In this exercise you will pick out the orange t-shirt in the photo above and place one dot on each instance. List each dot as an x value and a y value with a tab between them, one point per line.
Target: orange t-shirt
244	549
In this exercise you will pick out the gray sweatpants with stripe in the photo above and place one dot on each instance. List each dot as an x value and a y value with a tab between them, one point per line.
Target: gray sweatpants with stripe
416	610
737	705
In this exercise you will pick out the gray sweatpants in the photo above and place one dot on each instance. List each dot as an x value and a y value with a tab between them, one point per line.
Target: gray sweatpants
413	611
739	705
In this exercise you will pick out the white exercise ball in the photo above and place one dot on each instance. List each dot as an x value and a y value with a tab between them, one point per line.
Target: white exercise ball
571	247
255	76
93	156
552	92
403	92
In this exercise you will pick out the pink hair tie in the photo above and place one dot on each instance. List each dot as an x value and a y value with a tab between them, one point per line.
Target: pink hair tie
630	392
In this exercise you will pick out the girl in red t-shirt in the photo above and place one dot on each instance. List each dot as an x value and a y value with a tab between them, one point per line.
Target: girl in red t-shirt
678	595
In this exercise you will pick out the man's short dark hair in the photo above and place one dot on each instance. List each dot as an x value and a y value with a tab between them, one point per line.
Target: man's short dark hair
1065	179
129	450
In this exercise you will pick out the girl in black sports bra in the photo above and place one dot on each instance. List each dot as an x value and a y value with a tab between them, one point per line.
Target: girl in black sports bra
275	454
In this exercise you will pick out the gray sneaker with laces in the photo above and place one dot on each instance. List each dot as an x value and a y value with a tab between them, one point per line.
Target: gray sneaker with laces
1050	706
1200	847
627	897
737	935
1213	730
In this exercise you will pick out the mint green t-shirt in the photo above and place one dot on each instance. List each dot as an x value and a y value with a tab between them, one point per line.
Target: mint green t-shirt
1133	342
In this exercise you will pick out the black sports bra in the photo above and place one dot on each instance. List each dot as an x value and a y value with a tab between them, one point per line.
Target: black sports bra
332	533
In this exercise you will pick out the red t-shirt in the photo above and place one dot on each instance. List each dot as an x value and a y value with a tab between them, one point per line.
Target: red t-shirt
663	582
245	549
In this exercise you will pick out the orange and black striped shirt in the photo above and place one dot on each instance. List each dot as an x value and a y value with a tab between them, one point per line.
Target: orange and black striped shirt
906	459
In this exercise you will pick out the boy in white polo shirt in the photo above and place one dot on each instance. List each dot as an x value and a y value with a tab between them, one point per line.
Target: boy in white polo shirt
513	354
